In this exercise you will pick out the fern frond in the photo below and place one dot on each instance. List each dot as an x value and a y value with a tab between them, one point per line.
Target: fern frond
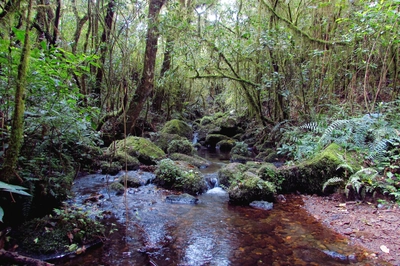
346	167
334	181
312	126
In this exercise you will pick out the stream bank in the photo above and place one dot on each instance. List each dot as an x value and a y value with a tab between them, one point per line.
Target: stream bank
367	224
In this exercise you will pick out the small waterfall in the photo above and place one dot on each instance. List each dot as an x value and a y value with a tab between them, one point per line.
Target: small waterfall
195	138
213	184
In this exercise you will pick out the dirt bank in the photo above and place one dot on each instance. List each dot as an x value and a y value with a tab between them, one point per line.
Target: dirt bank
376	227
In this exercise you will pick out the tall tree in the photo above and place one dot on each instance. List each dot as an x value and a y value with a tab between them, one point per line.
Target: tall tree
17	125
146	84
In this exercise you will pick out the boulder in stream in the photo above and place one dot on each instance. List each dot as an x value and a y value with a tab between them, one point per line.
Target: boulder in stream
182	198
249	187
181	176
178	127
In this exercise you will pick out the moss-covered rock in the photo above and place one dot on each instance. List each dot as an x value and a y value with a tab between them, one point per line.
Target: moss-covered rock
225	144
129	162
142	149
267	155
241	149
162	139
206	120
212	139
193	160
117	187
112	168
251	188
180	146
180	176
136	178
230	173
224	124
269	172
309	176
178	127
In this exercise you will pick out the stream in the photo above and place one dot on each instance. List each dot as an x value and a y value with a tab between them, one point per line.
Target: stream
152	231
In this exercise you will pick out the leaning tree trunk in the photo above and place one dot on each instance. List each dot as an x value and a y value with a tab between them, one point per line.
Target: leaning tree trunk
146	84
17	123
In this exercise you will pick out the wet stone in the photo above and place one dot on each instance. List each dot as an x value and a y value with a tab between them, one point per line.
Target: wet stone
264	205
182	198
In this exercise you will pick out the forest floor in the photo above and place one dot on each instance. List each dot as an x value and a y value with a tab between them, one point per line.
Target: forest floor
375	227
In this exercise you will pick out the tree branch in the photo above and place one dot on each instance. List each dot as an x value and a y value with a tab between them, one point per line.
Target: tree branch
295	28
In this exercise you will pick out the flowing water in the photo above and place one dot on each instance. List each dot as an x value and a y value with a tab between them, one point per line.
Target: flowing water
211	232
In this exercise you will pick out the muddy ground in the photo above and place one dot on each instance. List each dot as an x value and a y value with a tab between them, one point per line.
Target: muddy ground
374	226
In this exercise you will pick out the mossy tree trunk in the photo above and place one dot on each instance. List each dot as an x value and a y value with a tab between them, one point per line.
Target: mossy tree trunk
17	123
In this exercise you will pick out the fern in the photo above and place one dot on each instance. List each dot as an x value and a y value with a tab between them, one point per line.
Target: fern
312	126
362	182
334	181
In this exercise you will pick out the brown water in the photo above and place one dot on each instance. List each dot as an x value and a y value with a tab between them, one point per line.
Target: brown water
212	232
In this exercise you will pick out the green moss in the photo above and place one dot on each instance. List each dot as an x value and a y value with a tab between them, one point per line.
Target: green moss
142	149
179	176
181	146
112	168
230	173
309	176
206	120
226	144
194	160
213	139
131	181
251	188
178	127
117	187
268	172
162	140
131	163
241	149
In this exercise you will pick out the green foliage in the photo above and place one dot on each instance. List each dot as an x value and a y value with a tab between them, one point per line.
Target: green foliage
362	182
11	189
370	135
240	148
64	231
168	171
334	181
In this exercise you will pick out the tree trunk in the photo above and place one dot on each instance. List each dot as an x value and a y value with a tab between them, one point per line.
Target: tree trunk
104	47
146	84
17	123
166	66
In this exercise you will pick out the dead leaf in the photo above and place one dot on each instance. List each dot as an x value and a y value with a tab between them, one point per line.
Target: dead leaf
70	236
81	250
384	249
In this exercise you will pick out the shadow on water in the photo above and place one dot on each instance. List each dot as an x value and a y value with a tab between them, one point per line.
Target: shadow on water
212	232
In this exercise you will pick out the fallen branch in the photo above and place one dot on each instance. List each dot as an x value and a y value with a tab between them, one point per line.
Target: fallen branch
14	257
